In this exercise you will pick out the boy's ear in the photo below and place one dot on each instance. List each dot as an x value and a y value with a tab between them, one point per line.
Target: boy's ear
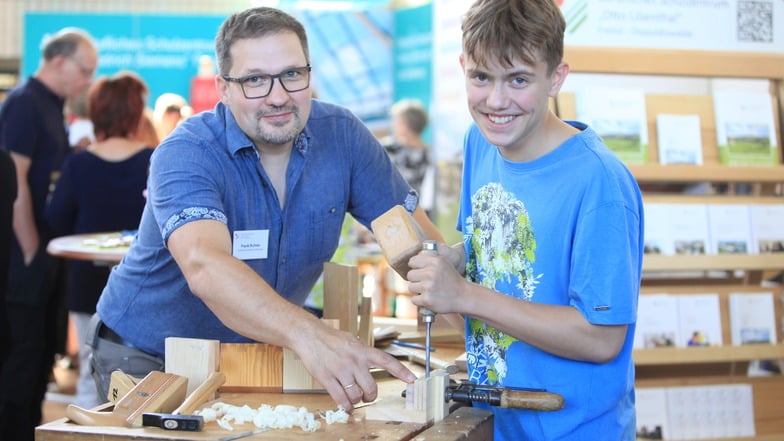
558	77
462	62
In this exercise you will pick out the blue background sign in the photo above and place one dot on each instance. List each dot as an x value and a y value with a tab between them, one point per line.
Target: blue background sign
163	50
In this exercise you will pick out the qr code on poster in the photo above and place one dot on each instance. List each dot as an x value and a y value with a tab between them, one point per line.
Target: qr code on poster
755	21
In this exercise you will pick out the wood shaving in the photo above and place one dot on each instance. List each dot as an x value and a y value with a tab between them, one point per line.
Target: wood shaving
267	417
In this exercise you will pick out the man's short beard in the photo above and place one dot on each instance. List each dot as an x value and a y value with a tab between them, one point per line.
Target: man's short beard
275	137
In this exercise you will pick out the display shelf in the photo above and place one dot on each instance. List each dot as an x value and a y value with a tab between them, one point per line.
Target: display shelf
706	173
766	392
713	354
683	274
713	262
686	63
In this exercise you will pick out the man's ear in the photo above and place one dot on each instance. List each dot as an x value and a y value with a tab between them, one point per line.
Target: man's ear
558	77
222	86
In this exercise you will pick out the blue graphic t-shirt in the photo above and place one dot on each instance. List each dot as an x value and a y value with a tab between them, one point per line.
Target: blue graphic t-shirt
564	229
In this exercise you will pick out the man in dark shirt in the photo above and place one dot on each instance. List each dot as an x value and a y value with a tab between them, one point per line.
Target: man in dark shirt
7	196
32	129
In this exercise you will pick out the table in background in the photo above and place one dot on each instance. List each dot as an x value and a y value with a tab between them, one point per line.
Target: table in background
106	247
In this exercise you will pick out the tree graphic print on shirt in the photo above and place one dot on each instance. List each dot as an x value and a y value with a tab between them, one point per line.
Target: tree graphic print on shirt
501	248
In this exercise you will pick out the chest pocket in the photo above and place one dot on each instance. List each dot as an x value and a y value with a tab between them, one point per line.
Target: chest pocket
324	232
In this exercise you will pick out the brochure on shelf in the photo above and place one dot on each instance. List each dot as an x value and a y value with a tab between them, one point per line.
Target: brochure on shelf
676	229
651	406
767	228
699	320
745	128
730	229
752	318
679	139
657	321
712	411
618	115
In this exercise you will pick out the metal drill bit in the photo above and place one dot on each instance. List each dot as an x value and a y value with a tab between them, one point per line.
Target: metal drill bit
429	247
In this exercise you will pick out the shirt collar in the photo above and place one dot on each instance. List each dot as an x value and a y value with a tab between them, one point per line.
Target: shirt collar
46	91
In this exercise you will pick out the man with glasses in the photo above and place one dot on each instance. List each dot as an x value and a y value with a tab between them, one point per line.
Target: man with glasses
33	130
245	204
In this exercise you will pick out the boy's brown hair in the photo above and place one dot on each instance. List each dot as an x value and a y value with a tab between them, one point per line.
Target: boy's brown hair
509	30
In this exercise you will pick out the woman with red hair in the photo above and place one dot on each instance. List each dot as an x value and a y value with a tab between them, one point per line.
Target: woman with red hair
101	189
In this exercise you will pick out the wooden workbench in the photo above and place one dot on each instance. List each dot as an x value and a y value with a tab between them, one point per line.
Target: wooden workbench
465	424
457	426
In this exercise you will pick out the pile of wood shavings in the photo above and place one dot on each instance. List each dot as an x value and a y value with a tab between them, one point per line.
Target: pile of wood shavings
267	417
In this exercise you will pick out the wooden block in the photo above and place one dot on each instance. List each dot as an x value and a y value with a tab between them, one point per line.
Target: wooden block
393	409
365	332
424	402
203	393
192	358
399	237
297	379
341	295
428	395
251	367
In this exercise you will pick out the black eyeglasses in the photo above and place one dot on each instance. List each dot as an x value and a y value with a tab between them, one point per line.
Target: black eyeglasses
260	85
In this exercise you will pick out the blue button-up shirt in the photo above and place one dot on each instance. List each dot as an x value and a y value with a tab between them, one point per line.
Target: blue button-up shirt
208	169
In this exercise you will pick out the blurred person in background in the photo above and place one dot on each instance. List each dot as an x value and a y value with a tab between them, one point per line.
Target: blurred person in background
169	111
101	190
204	94
7	196
147	132
409	152
32	129
80	128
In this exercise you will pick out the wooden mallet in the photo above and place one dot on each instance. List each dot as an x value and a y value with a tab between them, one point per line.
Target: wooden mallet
399	237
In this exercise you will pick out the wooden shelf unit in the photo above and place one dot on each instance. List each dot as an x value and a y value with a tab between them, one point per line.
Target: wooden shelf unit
722	274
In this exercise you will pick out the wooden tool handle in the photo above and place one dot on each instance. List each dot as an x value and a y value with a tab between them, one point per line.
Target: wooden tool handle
91	418
201	394
533	400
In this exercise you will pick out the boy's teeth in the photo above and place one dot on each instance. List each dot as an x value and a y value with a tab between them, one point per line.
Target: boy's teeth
500	119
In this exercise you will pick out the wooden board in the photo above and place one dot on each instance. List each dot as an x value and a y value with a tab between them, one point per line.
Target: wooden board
192	358
341	295
297	379
251	367
365	330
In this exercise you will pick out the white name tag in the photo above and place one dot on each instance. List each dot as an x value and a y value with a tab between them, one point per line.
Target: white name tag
250	244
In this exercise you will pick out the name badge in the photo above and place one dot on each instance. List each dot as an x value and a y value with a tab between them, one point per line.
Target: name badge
250	244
